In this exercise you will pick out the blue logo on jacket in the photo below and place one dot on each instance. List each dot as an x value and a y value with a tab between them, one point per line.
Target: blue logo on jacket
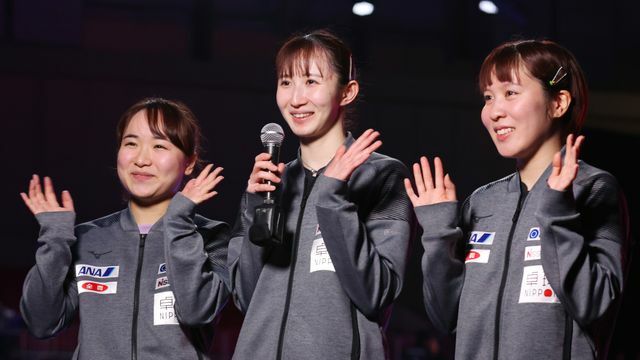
97	271
481	237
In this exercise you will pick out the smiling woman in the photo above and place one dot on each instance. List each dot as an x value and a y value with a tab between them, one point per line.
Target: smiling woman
348	222
536	261
149	277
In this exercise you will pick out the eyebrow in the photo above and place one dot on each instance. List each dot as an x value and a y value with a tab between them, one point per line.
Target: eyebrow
136	137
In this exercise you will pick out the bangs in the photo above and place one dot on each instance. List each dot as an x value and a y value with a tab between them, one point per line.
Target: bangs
505	62
295	59
165	123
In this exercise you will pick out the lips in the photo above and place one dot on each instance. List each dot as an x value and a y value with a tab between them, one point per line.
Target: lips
301	116
503	132
141	176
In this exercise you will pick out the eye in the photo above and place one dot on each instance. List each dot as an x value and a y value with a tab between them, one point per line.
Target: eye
487	97
128	144
311	82
159	146
284	82
510	93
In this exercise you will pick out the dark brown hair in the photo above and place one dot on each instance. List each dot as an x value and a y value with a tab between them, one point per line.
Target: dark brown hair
168	119
541	59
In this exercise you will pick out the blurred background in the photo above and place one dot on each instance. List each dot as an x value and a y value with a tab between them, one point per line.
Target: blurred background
69	69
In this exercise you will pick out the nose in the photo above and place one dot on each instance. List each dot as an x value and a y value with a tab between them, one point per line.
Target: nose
298	96
495	110
142	157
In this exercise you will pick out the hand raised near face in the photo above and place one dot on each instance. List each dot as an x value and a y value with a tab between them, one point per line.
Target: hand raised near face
263	172
346	160
201	188
430	190
38	201
563	174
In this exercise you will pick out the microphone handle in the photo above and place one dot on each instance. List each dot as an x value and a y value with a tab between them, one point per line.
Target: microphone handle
273	150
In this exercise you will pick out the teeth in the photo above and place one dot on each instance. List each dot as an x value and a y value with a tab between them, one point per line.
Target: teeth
504	131
300	116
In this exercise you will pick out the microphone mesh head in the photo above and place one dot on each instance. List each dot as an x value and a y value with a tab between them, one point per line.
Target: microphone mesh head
272	133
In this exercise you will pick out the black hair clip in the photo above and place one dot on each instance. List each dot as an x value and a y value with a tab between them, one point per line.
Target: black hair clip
560	74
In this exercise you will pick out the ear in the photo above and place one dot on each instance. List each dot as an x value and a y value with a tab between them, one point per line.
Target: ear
191	164
349	93
560	104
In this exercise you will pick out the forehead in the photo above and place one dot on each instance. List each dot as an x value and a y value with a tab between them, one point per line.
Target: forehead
517	74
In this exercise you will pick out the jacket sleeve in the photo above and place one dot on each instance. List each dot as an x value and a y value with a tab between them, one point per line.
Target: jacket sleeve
442	264
245	259
369	254
49	295
196	263
582	246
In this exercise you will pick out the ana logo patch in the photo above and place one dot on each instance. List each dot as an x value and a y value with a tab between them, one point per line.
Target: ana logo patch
481	237
320	259
534	234
532	253
162	282
101	272
478	256
535	288
97	287
162	268
163	311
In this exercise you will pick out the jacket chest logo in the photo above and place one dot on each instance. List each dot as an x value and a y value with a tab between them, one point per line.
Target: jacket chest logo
481	237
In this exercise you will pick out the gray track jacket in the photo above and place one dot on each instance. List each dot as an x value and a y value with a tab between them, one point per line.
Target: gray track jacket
535	276
139	297
326	292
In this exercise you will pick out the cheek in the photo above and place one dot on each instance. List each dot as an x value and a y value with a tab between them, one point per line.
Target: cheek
281	99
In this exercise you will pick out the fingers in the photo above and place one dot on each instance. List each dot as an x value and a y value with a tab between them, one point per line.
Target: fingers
426	173
49	193
410	193
67	202
438	168
203	174
450	188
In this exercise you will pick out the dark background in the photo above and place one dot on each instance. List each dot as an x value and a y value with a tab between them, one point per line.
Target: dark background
69	69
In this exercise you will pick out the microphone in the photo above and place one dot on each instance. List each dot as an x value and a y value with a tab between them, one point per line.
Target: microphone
268	222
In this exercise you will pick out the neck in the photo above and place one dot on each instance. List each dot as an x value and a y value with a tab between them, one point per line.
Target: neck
148	214
531	168
317	153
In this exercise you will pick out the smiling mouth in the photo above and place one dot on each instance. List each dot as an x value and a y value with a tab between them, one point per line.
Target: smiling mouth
301	115
140	176
505	131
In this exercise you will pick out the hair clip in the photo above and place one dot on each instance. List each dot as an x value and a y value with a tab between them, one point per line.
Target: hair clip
560	74
351	69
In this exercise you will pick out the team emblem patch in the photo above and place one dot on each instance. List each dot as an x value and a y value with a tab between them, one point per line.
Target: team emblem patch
163	310
535	288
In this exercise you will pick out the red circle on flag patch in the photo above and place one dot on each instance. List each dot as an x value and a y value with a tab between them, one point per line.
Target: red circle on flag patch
548	293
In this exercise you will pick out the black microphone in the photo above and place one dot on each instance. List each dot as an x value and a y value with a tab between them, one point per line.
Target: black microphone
268	222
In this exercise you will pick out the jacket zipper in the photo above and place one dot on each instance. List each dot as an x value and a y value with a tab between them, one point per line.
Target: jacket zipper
136	298
355	345
503	281
308	185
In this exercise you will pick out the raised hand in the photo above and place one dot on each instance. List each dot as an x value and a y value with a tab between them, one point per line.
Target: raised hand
39	202
430	190
562	175
346	160
201	188
263	170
